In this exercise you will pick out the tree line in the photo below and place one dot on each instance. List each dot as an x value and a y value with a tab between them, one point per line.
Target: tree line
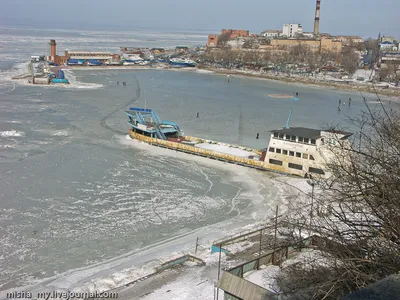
254	59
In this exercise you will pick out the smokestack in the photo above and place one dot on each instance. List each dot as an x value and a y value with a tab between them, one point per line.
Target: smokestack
53	51
316	22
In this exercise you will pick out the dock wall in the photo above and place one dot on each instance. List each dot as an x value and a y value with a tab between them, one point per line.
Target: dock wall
199	151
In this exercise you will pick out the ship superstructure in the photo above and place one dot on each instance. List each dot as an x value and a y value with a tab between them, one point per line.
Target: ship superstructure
302	151
146	122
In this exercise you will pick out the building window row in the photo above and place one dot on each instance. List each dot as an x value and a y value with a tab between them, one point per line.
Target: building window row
296	166
89	54
293	138
291	153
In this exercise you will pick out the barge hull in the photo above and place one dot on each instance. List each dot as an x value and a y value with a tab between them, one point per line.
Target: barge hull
251	163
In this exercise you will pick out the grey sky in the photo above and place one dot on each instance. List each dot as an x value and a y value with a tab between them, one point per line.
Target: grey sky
353	17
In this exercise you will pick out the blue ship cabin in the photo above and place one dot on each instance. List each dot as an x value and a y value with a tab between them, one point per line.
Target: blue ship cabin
146	122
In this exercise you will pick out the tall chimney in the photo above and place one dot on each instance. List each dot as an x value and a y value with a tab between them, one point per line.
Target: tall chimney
53	48
316	22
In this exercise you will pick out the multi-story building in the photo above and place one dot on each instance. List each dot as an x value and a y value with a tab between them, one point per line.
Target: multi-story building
235	33
302	151
390	39
348	39
271	33
387	46
88	55
214	39
313	45
292	30
390	58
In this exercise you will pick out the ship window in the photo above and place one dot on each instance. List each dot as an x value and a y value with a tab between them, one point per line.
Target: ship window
295	166
276	162
305	156
275	135
306	140
300	139
312	157
284	152
313	141
271	149
293	138
316	170
278	151
288	137
291	153
281	136
298	154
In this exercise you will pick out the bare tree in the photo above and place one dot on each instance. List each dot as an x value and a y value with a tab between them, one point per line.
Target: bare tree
384	74
223	39
372	46
394	71
299	53
359	236
350	60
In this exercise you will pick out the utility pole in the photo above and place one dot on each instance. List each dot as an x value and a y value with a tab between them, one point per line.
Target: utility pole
240	129
219	267
312	204
197	243
276	229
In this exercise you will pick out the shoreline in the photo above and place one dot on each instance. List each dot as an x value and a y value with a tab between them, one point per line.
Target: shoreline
344	86
351	86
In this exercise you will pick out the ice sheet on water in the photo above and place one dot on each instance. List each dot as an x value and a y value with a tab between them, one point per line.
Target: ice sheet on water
74	83
12	133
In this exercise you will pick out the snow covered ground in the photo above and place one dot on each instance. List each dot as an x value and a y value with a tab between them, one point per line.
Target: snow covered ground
266	276
367	74
222	148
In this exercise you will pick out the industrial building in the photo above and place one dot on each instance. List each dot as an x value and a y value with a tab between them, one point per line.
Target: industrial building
321	45
283	40
292	30
80	57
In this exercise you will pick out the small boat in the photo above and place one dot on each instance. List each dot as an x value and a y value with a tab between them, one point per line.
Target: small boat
94	62
75	62
129	63
182	63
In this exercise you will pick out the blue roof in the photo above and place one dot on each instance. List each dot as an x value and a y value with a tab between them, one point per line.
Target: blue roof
387	43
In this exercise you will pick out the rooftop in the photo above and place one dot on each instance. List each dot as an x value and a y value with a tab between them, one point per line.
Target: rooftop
308	132
272	31
300	131
87	52
348	36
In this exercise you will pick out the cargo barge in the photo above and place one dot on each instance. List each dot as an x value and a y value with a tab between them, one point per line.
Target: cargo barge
147	127
292	150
